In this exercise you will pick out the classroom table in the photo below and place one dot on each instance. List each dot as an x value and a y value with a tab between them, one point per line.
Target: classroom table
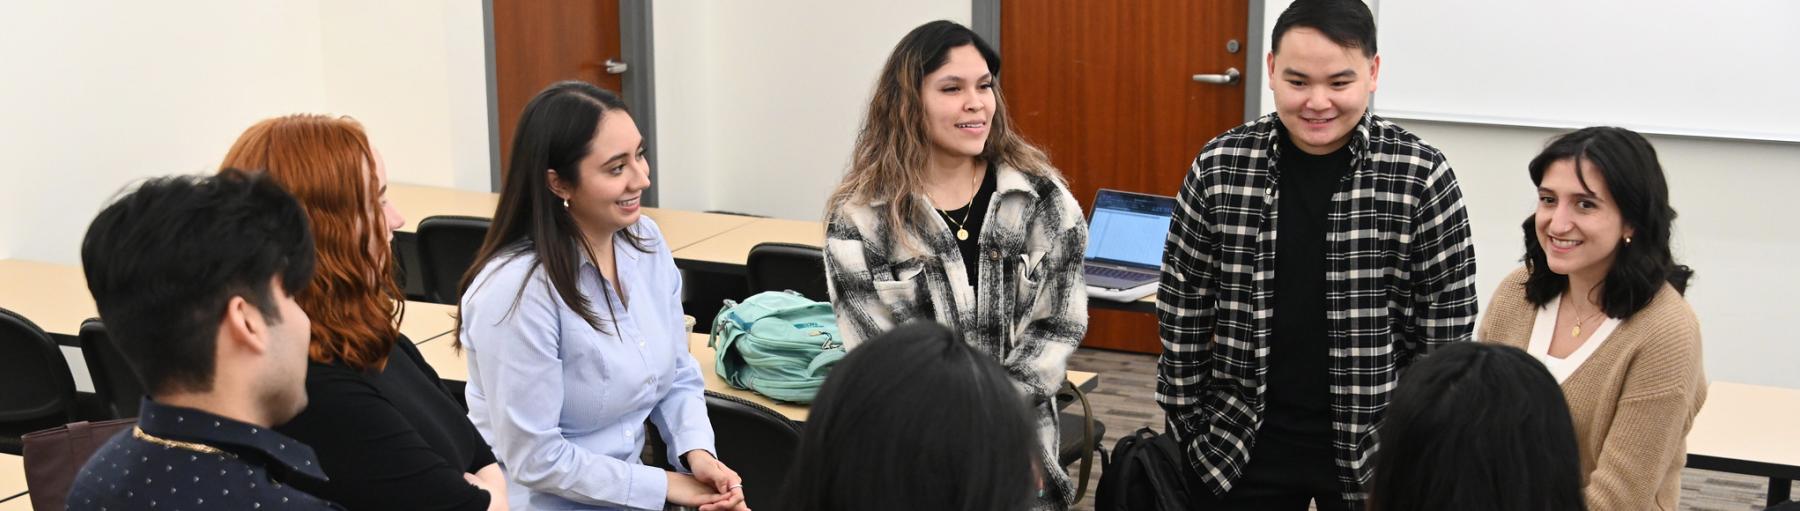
1746	429
12	478
449	364
727	253
425	321
681	228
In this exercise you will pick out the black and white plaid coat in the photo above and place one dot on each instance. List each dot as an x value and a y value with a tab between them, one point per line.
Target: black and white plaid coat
1029	310
1400	280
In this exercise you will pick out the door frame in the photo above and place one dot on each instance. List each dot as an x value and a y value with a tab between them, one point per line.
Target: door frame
985	18
637	48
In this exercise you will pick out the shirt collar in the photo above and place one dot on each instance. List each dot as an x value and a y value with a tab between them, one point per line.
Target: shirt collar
190	425
1358	144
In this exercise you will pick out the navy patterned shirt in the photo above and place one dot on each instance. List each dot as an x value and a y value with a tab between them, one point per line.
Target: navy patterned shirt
163	463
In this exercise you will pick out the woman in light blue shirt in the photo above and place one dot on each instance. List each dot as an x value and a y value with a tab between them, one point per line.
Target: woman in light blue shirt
571	318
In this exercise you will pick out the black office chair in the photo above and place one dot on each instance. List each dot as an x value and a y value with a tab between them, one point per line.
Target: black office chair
40	392
787	266
116	384
755	441
447	247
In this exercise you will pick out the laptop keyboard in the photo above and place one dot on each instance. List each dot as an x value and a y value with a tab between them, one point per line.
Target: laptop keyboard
1101	271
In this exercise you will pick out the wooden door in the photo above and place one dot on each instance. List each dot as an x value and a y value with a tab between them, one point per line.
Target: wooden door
537	43
1108	89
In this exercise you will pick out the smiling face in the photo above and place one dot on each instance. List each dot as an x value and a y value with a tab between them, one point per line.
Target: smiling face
959	104
1321	89
606	197
1580	227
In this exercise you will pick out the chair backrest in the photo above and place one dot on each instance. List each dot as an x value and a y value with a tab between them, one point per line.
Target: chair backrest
755	441
115	382
447	247
787	266
40	392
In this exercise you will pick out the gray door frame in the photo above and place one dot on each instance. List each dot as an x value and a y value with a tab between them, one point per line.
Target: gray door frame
637	45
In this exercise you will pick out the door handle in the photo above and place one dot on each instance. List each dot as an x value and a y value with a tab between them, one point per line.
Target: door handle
614	67
1231	76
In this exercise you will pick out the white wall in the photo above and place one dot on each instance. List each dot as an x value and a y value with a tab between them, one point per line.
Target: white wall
415	74
760	104
101	94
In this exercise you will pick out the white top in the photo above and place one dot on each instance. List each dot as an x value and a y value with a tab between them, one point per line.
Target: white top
1545	328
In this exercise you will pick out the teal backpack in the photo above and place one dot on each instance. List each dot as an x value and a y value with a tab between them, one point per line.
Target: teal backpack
776	343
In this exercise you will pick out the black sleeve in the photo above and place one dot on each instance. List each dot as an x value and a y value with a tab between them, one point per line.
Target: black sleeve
484	453
371	453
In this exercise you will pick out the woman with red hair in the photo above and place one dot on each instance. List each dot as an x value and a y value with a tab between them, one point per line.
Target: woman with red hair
384	428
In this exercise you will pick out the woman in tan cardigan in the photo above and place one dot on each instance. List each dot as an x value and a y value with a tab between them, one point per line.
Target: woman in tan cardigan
1599	302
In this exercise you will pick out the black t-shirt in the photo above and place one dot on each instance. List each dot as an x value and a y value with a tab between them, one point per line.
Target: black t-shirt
1298	411
971	248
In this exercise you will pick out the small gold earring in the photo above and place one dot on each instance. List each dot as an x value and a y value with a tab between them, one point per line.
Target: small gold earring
566	206
1627	240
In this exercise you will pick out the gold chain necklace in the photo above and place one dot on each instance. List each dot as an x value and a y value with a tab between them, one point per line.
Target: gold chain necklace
962	233
202	448
1575	333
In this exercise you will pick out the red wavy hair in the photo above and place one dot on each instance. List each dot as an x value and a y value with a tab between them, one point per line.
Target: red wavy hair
327	164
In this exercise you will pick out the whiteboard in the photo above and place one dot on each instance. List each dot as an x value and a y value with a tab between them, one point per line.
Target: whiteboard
1722	68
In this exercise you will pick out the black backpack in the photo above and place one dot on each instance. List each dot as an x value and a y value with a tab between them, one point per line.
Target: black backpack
1147	473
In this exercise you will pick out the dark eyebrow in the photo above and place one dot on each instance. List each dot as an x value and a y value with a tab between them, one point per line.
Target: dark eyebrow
1347	73
955	78
1581	195
615	159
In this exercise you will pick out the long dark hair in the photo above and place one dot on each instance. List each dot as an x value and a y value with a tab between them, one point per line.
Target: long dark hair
1477	427
1627	162
555	132
915	419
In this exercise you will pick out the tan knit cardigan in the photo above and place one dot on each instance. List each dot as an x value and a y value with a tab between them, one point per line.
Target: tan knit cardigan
1633	400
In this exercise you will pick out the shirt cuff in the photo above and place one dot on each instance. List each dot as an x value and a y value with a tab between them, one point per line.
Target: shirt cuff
690	441
647	489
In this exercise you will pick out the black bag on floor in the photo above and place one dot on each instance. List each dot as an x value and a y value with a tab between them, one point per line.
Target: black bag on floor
1147	473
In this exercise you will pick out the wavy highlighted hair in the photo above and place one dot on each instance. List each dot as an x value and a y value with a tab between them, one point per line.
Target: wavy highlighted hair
326	162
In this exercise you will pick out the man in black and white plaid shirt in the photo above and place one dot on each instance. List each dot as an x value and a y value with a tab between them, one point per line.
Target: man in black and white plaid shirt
1314	254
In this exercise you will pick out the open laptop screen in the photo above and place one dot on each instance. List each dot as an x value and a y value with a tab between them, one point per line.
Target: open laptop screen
1129	228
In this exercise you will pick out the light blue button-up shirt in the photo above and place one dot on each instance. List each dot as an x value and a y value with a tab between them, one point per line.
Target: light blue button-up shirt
563	403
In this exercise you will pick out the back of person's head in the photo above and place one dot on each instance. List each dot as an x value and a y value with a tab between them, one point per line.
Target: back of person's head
915	419
328	164
1474	427
164	261
1628	166
1348	23
556	131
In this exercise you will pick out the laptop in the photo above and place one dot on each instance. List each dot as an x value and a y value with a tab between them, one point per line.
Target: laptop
1125	239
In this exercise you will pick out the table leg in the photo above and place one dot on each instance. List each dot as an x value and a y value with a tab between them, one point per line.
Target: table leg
1779	490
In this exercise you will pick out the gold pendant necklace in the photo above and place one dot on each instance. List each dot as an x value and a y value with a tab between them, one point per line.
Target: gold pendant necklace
962	233
1575	333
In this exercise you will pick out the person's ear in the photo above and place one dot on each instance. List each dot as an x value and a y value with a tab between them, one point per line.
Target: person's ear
558	186
243	328
1374	73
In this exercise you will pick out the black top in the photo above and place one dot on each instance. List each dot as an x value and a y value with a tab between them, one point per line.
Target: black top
253	472
1299	378
394	439
971	248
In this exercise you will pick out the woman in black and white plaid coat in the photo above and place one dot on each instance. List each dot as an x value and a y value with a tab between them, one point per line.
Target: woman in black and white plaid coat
946	214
